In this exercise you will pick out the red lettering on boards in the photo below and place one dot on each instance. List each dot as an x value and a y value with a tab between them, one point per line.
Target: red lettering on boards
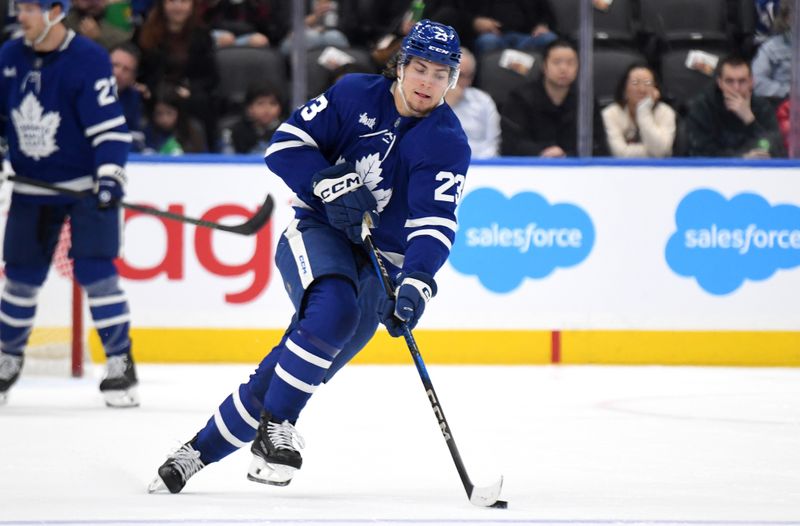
172	264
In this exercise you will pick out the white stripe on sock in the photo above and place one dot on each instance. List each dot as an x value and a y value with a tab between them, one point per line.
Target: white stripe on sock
294	382
237	401
225	432
307	356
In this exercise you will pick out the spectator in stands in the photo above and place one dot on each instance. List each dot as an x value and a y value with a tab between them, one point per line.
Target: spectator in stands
487	25
476	110
766	13
322	27
170	131
248	23
367	22
388	37
125	62
263	113
637	123
178	50
91	18
541	116
517	24
772	66
729	121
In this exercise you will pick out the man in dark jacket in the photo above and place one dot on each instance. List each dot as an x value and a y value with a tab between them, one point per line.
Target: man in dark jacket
541	117
729	121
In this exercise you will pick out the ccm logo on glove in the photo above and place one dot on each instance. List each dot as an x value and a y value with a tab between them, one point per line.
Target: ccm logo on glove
345	199
331	189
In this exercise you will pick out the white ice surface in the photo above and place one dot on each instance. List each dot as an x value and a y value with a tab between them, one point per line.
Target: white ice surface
576	445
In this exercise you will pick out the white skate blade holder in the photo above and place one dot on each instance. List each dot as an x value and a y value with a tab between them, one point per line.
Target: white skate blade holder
3	398
267	473
122	398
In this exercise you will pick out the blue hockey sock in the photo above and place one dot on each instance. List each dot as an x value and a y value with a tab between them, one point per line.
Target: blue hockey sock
329	319
109	307
17	310
233	426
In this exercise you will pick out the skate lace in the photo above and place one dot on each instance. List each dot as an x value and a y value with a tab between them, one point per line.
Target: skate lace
186	460
285	436
9	366
116	366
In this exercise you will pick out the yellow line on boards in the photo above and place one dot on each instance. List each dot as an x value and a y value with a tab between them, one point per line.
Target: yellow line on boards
485	347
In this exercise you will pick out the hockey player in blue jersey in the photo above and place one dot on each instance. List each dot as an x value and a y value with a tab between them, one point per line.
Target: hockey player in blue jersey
63	125
384	145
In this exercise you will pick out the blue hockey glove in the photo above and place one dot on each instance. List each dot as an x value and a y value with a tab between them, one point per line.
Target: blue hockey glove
409	302
346	199
110	185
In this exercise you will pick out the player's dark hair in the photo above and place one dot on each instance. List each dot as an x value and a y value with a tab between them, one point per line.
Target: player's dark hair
390	71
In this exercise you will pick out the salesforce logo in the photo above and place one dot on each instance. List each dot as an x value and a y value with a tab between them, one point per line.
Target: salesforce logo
722	243
503	241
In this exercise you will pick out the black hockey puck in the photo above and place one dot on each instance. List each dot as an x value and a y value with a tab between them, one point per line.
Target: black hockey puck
501	504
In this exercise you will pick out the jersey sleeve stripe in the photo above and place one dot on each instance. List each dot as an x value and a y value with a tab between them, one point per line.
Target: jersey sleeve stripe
432	221
297	132
432	233
112	136
105	126
278	146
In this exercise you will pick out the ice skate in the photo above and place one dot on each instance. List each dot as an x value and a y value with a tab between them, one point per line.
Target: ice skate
275	452
10	367
119	384
179	467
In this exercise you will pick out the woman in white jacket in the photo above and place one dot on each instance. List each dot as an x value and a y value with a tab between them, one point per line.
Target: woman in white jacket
638	124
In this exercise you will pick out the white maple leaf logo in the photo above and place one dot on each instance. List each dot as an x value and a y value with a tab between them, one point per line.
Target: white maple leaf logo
369	168
36	130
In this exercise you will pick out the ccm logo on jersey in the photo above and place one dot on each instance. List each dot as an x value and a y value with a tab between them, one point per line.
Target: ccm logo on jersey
330	189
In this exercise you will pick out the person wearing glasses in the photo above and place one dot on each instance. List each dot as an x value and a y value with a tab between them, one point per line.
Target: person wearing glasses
638	123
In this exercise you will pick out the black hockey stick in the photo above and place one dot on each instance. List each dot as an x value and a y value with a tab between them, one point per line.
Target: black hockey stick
248	228
483	496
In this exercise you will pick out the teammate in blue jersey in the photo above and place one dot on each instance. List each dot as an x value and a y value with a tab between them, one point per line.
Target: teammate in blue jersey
384	145
63	125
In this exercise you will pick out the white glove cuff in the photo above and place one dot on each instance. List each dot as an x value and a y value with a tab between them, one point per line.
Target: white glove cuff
424	289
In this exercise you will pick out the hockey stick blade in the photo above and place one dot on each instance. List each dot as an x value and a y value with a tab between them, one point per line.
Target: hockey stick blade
486	497
248	228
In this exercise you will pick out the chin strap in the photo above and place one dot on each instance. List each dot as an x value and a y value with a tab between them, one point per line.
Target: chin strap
48	25
400	76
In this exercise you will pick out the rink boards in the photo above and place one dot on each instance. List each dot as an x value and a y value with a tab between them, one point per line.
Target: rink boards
554	262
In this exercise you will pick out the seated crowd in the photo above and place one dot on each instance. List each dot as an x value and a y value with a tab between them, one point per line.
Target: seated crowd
517	93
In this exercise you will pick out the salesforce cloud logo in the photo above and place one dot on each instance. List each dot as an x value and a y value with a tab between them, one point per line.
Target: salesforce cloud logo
503	241
722	243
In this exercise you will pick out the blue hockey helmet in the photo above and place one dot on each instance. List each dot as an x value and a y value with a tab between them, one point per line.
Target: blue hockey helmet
47	4
434	42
